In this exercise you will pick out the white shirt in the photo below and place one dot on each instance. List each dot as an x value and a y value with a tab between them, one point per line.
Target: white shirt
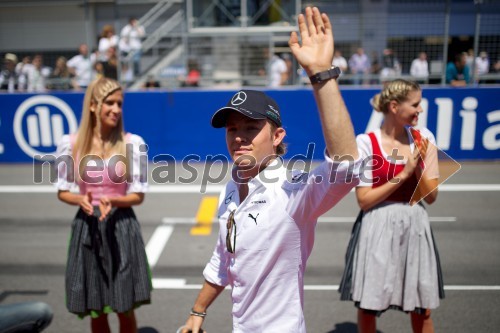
340	62
359	63
83	68
105	44
274	238
482	65
366	151
277	67
419	68
35	78
131	37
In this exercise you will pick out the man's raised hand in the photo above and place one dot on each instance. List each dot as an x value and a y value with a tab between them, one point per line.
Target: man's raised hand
316	52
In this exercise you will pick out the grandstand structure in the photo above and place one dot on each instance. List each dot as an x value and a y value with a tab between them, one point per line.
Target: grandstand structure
231	40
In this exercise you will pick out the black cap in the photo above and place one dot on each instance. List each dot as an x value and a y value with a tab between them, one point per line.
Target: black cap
251	103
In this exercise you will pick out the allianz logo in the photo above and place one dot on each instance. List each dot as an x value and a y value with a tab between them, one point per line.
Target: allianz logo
40	122
443	109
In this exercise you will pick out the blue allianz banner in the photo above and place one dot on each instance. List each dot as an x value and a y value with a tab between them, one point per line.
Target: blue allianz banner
466	122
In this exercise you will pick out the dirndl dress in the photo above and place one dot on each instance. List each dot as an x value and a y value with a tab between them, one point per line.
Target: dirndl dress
107	268
392	261
395	262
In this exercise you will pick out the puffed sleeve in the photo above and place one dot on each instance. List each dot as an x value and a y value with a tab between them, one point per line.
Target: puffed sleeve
139	182
365	152
64	165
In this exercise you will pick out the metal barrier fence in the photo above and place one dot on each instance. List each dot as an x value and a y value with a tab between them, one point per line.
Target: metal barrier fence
391	33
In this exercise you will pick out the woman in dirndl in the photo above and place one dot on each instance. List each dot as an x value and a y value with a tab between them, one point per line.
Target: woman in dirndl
392	261
107	269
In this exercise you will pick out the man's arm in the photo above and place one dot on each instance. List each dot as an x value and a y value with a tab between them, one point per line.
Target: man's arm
207	295
458	83
315	55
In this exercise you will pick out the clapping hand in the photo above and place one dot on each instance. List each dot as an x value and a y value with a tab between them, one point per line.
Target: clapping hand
86	203
105	207
422	148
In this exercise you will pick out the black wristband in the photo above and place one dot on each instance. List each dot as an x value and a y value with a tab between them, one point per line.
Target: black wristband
332	73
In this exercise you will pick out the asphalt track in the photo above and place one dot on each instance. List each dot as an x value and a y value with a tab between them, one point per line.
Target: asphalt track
34	229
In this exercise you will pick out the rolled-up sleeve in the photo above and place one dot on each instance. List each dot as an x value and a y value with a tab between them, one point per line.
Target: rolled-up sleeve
326	185
216	269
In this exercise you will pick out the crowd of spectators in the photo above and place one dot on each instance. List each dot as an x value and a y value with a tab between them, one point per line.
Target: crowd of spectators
117	57
361	69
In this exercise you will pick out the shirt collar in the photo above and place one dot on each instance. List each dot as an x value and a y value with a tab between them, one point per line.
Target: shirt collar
271	175
268	177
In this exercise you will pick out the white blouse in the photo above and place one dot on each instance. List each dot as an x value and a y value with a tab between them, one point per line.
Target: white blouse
366	151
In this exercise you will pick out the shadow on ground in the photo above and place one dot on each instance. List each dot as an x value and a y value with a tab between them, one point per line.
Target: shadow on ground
147	330
346	328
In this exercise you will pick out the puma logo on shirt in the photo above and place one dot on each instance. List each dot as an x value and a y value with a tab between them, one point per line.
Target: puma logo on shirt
253	218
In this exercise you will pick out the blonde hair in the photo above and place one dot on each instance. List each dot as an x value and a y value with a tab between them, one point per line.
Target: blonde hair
106	30
90	124
396	90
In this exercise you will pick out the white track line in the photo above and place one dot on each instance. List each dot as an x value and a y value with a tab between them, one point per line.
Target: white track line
196	189
469	187
181	220
161	283
351	219
177	284
468	288
157	243
325	219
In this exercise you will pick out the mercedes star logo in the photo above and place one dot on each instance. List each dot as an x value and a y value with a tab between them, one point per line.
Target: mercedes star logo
239	98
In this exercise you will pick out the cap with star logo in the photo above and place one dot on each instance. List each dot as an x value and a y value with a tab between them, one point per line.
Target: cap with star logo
251	103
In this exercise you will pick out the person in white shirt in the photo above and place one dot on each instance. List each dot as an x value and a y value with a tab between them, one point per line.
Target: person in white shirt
359	64
277	71
36	75
268	215
482	63
82	66
108	39
420	67
131	42
339	61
